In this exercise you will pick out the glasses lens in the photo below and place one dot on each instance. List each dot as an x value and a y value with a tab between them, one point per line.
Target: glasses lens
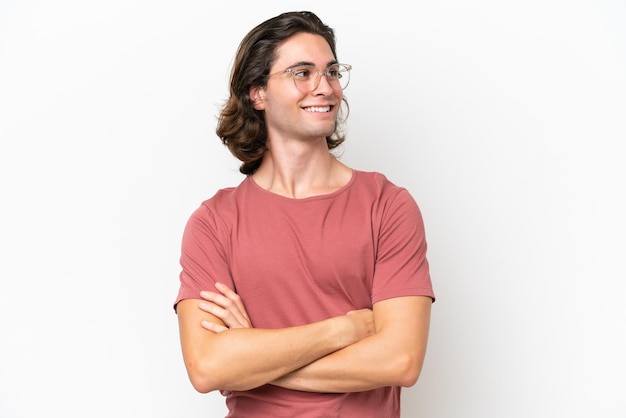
343	74
338	76
307	78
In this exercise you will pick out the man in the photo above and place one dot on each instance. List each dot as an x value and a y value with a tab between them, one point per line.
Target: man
305	291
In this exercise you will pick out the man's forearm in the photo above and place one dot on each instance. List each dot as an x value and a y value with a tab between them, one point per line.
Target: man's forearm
392	357
242	359
252	357
355	368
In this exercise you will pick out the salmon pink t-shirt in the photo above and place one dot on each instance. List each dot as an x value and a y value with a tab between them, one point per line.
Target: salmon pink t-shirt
297	261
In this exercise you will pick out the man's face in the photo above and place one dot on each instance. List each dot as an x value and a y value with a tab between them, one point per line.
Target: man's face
292	114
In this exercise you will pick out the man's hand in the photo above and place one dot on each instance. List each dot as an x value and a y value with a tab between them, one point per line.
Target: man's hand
364	323
227	306
258	356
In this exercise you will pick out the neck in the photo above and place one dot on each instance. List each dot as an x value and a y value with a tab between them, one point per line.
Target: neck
301	170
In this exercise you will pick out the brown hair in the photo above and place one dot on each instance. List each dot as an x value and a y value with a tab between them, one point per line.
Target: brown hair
242	128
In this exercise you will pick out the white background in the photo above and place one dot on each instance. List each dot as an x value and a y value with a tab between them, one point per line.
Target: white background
505	120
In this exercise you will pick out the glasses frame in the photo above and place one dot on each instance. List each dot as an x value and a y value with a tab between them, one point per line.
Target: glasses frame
292	70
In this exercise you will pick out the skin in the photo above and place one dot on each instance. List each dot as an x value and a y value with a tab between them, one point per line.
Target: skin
361	350
298	163
371	363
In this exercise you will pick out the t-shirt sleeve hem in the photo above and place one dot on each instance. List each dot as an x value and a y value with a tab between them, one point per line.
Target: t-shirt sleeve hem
404	292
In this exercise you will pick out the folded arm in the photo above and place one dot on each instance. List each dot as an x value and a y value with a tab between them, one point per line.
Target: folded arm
392	356
244	358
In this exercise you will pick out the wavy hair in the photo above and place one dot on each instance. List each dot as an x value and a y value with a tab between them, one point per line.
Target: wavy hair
241	127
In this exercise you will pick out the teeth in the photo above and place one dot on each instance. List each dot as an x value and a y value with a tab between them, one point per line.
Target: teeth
318	109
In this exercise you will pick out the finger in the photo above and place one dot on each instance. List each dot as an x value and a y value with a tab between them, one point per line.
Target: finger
230	294
225	315
218	299
229	315
212	326
221	301
213	309
230	301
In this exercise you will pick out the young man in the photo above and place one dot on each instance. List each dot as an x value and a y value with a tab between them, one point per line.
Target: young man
305	291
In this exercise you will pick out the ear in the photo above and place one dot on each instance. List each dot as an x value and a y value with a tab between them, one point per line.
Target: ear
257	97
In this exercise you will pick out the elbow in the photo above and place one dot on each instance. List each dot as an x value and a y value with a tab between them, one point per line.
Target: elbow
407	371
207	375
201	385
203	377
409	378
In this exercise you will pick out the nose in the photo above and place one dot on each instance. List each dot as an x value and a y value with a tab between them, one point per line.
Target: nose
319	86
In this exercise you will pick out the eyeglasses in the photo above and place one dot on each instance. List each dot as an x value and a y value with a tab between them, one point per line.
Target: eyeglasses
307	77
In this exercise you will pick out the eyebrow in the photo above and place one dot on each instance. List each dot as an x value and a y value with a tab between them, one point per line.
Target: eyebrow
310	64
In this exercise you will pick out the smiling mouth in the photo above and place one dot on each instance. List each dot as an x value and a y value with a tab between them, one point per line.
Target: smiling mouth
318	109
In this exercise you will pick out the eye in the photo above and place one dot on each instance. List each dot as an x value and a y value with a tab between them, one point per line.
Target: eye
333	72
302	73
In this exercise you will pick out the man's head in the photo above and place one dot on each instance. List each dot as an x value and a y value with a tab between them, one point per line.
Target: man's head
242	127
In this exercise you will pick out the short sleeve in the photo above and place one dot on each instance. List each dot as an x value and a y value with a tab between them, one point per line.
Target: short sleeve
401	266
204	259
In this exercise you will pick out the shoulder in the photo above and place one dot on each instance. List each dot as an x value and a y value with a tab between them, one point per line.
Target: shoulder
384	196
221	206
378	184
